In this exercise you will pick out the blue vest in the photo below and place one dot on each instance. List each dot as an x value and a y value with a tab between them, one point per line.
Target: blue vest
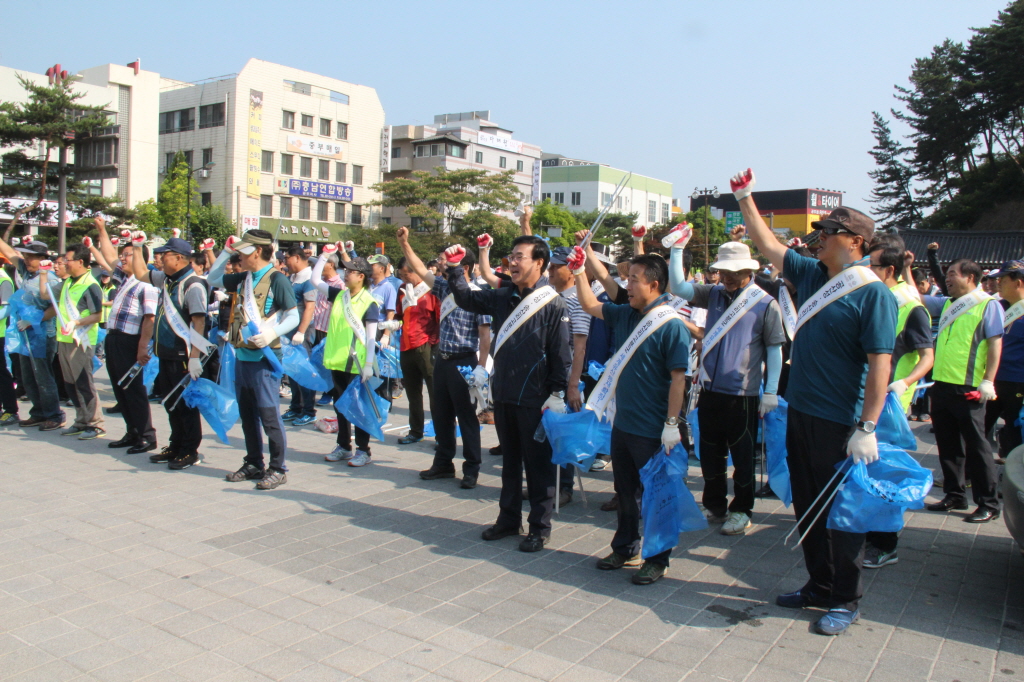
728	363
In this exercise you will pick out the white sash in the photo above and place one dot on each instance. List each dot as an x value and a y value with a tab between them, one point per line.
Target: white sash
960	306
850	279
740	307
182	329
902	297
788	311
448	304
1013	313
350	316
604	393
412	294
79	334
524	311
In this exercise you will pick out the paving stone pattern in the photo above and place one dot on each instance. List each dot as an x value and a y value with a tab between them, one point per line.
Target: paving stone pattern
112	568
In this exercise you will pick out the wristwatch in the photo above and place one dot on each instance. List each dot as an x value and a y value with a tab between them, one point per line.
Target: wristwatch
866	427
672	421
559	394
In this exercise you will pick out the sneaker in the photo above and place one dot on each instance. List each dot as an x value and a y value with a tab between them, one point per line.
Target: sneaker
303	420
285	392
615	561
248	472
51	425
564	497
273	479
360	460
533	542
183	461
836	621
9	419
736	524
712	517
468	482
486	417
89	434
876	558
338	454
612	504
650	572
599	465
73	431
801	599
153	398
165	455
290	415
32	421
925	418
325	399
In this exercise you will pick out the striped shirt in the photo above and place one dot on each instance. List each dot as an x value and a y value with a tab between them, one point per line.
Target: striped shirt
139	299
322	312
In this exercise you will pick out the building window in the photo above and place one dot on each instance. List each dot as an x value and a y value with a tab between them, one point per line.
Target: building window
456	151
188	157
664	213
618	202
559	197
437	150
307	121
324	169
304	209
652	211
339	97
519	165
502	162
305	167
267	164
325	127
286	164
301	88
206	198
286	207
386	220
606	199
266	204
178	121
340	172
321	211
100	153
422	150
357	175
169	162
343	128
339	213
211	115
576	198
208	156
396	152
288	120
479	157
545	196
357	214
416	225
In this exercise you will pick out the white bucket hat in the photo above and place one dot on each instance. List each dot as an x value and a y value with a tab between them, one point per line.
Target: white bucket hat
735	256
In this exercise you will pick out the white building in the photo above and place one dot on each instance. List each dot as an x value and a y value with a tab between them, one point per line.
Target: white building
461	141
121	159
293	152
585	186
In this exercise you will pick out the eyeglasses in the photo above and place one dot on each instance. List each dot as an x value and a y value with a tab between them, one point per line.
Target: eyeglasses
832	231
516	257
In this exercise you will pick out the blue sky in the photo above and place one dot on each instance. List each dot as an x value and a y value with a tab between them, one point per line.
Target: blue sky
684	91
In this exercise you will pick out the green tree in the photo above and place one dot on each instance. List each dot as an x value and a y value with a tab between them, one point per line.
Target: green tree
211	221
548	214
615	230
147	216
713	235
443	198
174	196
893	195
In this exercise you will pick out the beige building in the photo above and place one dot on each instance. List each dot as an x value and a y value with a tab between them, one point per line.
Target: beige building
293	152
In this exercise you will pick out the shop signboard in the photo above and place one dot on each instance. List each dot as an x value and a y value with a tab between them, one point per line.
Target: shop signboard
318	190
309	145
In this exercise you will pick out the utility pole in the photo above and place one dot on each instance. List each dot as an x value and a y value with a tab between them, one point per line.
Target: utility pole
706	193
62	199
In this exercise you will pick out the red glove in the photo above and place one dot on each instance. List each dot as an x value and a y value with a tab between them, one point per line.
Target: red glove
87	242
678	237
577	260
207	244
230	243
639	233
454	254
485	241
46	265
138	238
176	233
350	246
742	184
329	249
973	396
126	235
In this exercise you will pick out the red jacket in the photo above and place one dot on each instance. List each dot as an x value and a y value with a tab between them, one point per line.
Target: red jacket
421	323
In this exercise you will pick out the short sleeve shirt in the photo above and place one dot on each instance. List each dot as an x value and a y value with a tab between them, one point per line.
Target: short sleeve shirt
281	297
1011	361
386	297
303	287
916	335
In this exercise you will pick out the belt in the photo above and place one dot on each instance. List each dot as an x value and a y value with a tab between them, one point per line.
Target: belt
452	356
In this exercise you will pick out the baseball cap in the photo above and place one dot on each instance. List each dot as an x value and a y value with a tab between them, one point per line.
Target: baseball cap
1010	267
380	259
251	239
175	245
848	219
33	248
359	265
560	255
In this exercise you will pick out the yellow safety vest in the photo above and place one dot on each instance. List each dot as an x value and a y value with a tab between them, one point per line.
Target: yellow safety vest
961	349
906	364
3	322
77	289
339	333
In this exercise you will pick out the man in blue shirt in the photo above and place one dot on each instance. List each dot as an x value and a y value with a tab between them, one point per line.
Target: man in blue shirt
841	357
1010	377
656	370
302	409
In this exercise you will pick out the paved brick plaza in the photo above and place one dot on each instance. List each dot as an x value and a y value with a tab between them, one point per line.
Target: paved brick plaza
112	568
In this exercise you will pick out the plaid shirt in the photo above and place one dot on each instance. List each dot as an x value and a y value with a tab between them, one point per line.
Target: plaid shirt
140	300
322	311
460	331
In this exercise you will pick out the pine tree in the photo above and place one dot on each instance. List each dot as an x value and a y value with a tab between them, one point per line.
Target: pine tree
893	195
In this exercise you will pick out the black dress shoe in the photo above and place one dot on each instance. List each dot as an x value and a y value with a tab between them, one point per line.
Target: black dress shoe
495	451
128	440
142	446
165	455
468	482
947	503
433	474
116	409
532	543
983	515
409	440
496	532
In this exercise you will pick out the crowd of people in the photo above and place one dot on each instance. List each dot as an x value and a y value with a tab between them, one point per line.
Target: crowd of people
832	324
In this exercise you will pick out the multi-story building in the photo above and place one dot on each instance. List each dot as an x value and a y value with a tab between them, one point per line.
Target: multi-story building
584	186
119	160
785	211
460	141
292	152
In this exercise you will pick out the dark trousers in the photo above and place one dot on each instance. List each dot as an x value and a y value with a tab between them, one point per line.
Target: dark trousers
449	402
341	382
122	351
418	369
515	426
58	377
884	541
258	399
629	455
40	383
318	337
186	426
19	387
728	423
1011	397
833	558
960	435
303	399
8	398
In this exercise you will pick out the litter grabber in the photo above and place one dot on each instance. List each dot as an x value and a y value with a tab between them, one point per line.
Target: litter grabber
134	371
185	380
359	371
604	211
845	470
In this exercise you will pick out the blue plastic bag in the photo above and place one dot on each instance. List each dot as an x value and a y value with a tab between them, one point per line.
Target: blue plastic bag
390	363
428	429
575	437
96	364
250	330
874	497
228	359
216	403
775	450
691	419
297	365
149	372
595	370
101	336
668	506
316	357
893	427
34	336
355	405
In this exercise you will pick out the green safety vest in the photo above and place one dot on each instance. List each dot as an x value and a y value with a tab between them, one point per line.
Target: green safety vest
339	333
105	315
77	289
3	322
961	349
906	364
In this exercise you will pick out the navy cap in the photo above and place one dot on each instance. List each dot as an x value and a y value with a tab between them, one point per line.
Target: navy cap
175	245
1010	267
560	255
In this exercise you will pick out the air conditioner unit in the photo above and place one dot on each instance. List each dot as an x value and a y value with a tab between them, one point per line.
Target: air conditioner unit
162	170
204	173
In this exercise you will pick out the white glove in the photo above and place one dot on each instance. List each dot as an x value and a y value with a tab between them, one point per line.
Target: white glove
23	325
555	404
742	184
229	243
176	233
480	376
670	437
899	387
298	339
220	295
639	233
987	390
195	368
350	246
769	401
263	339
862	447
390	324
207	244
484	241
87	242
366	372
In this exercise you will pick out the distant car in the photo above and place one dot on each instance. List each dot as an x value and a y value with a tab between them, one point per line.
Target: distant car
1013	495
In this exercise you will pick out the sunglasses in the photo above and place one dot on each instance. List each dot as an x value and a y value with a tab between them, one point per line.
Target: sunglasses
832	231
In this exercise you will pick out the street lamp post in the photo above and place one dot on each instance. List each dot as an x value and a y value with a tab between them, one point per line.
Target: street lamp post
697	194
188	197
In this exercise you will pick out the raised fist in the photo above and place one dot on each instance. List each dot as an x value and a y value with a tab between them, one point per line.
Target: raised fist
580	236
402	234
46	265
329	249
126	235
230	243
577	260
485	241
350	246
795	243
454	254
639	233
737	233
207	244
176	233
934	246
678	237
742	184
87	242
138	238
99	222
